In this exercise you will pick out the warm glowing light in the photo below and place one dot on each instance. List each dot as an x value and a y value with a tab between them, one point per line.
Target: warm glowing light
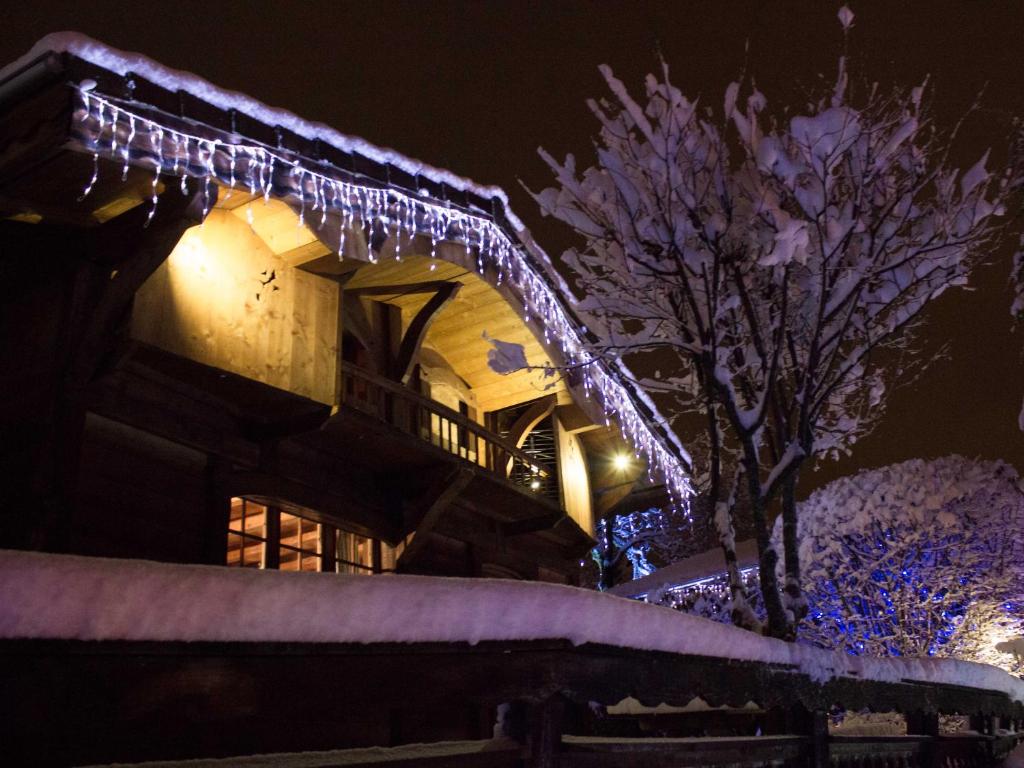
621	462
535	484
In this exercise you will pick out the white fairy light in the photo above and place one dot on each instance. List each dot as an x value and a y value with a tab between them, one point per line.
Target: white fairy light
157	140
126	150
95	176
397	215
231	170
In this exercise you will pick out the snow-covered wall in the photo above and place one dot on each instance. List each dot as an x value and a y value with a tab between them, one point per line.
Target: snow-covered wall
80	598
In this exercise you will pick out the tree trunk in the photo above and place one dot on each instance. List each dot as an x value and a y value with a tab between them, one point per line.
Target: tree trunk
767	559
796	602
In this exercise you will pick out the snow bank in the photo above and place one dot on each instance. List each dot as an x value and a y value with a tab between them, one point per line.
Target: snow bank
71	597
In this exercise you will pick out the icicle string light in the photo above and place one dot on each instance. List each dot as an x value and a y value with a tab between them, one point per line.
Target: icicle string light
389	212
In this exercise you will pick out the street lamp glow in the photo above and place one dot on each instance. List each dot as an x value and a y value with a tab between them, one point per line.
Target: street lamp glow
621	462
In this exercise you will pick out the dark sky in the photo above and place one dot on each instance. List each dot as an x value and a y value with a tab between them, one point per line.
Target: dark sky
477	87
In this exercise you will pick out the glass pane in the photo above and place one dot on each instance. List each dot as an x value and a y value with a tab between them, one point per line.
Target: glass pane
300	544
234	549
237	511
309	536
255	519
289	559
245	552
354	550
389	555
290	526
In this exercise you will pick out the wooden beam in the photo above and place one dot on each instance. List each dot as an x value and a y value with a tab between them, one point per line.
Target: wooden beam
575	420
126	252
402	289
530	524
433	505
531	417
417	330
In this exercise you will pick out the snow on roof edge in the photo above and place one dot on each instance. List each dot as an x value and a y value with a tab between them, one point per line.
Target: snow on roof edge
50	596
123	62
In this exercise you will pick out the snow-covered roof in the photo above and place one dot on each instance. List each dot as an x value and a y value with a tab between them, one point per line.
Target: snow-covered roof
545	292
46	596
703	566
124	63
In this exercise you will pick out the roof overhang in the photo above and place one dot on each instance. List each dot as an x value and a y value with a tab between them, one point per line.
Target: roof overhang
132	112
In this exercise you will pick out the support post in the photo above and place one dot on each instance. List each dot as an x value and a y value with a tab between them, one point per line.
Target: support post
926	724
544	733
814	726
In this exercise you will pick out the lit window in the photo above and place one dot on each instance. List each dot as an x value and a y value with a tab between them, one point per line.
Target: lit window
264	536
247	534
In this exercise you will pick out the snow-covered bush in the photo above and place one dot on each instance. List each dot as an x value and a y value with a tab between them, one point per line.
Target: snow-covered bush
920	558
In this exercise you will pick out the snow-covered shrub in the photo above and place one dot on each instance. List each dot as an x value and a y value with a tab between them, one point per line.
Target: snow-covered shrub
920	558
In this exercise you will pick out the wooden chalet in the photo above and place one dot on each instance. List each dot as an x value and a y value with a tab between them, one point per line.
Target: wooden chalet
231	337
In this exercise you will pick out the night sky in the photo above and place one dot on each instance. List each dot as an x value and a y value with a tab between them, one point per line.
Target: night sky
477	87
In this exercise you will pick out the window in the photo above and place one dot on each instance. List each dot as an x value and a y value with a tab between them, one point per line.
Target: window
265	536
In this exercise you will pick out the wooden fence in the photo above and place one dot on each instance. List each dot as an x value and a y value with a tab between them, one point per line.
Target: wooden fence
80	703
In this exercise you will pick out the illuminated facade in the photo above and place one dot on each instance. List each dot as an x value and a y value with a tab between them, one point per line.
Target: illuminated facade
265	344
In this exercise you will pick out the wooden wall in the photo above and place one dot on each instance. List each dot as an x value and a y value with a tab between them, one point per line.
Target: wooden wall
574	477
213	301
145	497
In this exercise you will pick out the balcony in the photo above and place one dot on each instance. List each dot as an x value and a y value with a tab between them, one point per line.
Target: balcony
384	463
444	428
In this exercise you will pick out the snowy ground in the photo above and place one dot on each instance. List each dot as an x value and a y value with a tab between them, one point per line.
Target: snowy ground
65	596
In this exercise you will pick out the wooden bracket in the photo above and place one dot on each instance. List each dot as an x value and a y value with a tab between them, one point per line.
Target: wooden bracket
417	331
429	510
124	252
530	524
530	418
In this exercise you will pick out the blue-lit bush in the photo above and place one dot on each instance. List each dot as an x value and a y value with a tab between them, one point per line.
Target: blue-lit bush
916	559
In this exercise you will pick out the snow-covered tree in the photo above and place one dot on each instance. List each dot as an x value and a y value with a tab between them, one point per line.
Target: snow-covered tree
779	261
920	558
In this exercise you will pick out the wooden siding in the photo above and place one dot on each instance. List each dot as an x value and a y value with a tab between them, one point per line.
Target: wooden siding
142	496
211	302
574	477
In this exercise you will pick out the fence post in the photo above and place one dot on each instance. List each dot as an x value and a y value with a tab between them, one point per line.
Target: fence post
544	733
926	724
814	726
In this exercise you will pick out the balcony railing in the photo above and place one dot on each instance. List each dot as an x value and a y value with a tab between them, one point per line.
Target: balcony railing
434	423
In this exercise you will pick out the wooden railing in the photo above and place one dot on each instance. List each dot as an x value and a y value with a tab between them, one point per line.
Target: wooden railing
437	424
